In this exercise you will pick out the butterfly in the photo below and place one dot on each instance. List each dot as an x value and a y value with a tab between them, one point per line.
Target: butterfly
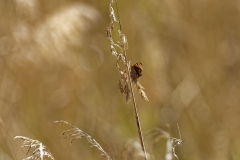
136	71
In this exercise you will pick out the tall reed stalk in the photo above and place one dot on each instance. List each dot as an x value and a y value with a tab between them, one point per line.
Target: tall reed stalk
127	80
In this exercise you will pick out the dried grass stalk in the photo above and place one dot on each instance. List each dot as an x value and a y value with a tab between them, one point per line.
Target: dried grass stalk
119	50
76	133
40	150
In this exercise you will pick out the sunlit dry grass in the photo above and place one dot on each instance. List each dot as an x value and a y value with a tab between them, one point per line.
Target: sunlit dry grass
55	63
75	133
35	149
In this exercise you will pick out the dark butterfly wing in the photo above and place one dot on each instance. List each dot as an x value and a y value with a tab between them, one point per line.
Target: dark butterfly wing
138	69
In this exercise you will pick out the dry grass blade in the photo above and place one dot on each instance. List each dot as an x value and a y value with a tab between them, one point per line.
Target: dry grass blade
76	133
40	150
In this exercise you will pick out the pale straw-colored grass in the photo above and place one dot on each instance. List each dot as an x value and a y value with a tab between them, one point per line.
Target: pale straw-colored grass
40	151
119	50
75	133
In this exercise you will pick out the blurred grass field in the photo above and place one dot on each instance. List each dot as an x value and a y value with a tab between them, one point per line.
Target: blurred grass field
56	64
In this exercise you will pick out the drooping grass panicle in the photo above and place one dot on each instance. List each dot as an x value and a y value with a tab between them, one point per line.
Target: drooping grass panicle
140	90
76	133
123	85
40	151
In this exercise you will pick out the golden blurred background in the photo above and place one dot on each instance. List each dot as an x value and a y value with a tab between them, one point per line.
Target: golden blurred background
56	64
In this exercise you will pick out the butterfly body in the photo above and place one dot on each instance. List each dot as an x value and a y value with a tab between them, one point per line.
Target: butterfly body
136	71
